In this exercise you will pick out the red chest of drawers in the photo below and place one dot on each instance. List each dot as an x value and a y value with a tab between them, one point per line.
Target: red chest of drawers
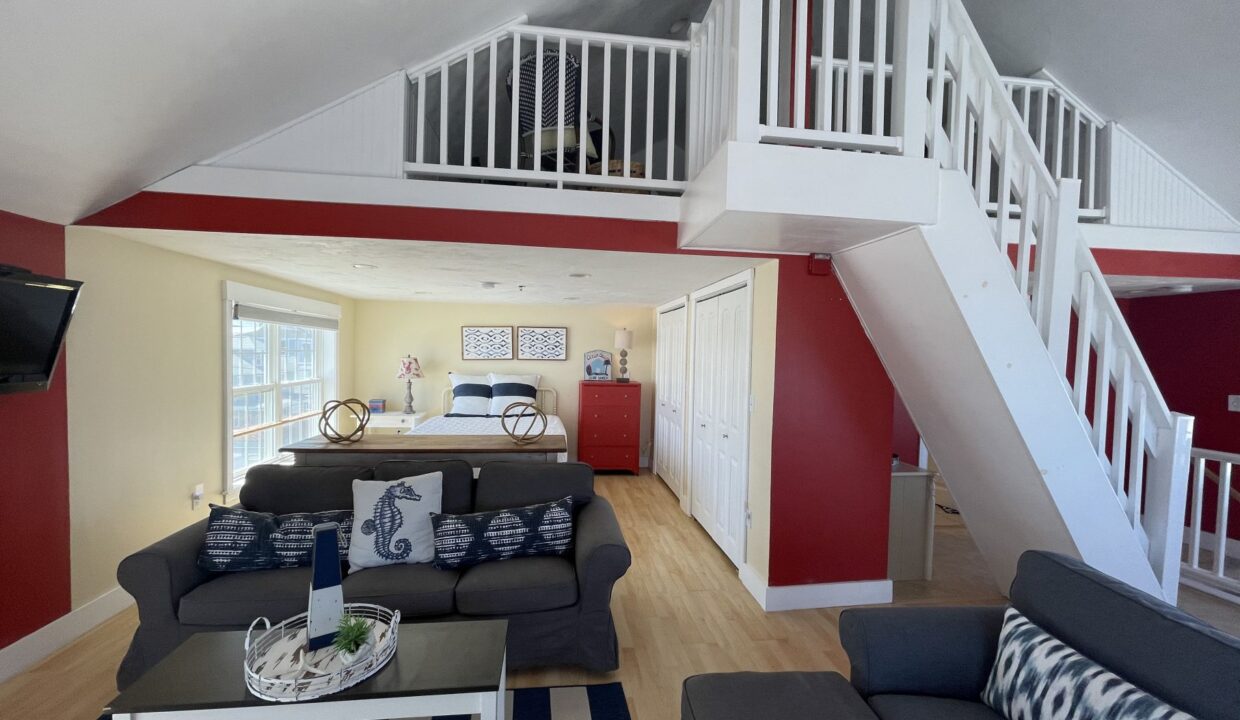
608	425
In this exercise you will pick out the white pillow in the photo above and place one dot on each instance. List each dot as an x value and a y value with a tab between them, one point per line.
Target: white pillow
471	395
392	521
509	389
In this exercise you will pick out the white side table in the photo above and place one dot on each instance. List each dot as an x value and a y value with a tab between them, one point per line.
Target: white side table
395	423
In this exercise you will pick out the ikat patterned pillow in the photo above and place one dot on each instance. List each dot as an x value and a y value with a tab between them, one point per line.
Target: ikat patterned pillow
241	540
293	540
1037	677
464	540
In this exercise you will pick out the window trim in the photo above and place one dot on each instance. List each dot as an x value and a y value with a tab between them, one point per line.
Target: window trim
237	293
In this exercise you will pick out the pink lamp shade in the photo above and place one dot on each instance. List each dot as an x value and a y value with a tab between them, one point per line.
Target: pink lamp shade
410	369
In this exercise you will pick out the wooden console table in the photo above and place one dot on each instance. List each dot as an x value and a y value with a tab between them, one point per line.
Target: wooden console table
474	449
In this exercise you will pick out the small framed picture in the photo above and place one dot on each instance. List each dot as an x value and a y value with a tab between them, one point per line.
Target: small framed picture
486	342
542	343
598	365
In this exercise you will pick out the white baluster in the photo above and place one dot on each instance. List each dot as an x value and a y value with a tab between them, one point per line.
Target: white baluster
1221	517
421	151
1003	201
492	82
879	96
800	62
606	156
516	100
1119	439
938	89
854	66
826	70
628	107
1085	318
443	114
1136	463
673	59
1102	386
982	149
649	154
960	113
536	160
1198	500
1030	207
469	108
583	123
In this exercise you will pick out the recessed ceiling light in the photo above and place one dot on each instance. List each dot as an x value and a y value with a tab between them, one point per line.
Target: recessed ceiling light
364	266
489	284
572	298
579	275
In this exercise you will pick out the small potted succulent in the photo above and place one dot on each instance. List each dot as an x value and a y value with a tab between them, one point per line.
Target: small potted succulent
352	639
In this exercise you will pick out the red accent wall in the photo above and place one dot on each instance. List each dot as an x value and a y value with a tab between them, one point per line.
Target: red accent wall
1192	345
831	462
831	473
34	465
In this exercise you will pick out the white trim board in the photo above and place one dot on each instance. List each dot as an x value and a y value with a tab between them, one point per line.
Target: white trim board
56	635
820	595
355	189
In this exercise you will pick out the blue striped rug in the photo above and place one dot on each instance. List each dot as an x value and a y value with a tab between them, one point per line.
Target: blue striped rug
572	702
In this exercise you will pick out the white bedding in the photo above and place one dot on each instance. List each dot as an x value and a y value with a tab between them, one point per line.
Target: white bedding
443	425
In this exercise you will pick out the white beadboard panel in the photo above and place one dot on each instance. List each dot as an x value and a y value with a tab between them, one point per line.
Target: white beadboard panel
360	134
1145	191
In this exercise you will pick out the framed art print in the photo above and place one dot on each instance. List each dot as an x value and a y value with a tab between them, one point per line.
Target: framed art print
542	343
486	342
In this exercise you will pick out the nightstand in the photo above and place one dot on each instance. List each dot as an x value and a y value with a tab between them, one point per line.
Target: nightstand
394	423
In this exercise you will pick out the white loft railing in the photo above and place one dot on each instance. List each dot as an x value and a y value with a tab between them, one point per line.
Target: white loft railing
1070	136
849	106
978	130
712	81
598	110
1208	551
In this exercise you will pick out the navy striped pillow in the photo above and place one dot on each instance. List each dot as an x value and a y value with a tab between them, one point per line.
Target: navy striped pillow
509	389
471	395
464	540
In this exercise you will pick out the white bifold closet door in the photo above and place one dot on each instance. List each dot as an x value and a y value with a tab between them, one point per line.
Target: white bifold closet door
671	375
720	378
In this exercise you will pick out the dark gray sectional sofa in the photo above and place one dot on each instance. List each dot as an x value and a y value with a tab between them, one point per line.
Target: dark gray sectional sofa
932	663
558	608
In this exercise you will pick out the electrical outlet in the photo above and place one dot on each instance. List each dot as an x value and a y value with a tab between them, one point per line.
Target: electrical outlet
195	498
1233	403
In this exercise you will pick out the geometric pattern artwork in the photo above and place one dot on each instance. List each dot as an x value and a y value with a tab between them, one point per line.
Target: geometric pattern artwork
486	342
1037	676
542	343
465	540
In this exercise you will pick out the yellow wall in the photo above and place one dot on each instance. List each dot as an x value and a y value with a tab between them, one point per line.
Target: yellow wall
761	420
145	394
432	333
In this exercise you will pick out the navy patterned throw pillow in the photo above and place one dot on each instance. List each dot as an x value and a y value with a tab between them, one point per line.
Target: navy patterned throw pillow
464	540
293	540
241	540
238	540
1037	677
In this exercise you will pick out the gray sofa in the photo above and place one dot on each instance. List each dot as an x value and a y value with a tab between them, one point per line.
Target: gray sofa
558	608
932	663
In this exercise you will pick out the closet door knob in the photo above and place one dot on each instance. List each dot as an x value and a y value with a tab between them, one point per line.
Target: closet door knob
725	436
703	425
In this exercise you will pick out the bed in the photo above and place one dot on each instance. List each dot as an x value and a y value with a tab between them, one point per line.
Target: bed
477	440
447	425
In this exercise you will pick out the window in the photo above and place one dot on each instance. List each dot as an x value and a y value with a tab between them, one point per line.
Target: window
281	369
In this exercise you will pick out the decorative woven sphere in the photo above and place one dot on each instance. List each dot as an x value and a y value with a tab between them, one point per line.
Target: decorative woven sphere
520	412
327	420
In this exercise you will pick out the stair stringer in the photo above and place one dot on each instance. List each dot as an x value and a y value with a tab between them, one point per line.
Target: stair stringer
955	334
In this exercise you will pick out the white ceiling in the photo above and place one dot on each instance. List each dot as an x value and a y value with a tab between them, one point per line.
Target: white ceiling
1130	286
100	99
1165	70
455	272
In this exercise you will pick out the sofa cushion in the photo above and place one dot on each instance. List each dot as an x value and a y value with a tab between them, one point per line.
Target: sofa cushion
782	695
1153	645
1036	675
520	585
414	590
922	707
283	489
513	484
458	479
235	599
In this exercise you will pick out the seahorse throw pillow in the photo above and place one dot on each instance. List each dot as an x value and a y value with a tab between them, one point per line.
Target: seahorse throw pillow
392	521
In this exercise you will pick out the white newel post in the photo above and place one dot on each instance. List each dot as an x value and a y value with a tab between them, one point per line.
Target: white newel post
1166	497
747	69
911	50
1056	262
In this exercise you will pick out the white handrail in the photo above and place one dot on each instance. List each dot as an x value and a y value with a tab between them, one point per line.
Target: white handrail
1141	443
456	114
1211	573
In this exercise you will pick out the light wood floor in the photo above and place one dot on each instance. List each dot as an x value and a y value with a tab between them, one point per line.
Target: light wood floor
680	611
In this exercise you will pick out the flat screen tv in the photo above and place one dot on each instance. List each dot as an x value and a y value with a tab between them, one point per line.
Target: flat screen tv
34	314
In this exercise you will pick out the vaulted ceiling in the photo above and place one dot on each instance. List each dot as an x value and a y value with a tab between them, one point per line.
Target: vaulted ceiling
98	100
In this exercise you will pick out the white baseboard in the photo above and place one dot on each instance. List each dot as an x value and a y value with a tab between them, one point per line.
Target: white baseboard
42	643
821	595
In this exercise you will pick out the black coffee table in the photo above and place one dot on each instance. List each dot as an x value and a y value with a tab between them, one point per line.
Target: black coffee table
447	668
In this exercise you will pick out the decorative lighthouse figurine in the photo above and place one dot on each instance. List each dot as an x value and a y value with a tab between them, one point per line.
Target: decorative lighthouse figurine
326	596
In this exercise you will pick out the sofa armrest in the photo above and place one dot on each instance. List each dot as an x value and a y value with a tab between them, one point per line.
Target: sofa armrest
601	555
161	574
942	651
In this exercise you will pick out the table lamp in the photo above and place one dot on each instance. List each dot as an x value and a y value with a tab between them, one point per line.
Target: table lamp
409	371
624	341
